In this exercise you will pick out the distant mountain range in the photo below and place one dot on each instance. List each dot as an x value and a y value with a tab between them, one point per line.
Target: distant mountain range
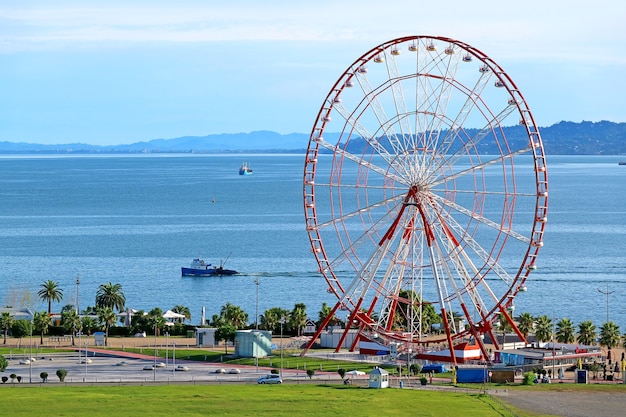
564	138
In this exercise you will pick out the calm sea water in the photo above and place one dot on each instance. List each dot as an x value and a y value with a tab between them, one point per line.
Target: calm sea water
136	220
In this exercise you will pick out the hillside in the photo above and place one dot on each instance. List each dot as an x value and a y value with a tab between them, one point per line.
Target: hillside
564	138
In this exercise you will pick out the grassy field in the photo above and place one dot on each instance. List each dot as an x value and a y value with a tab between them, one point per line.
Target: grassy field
241	400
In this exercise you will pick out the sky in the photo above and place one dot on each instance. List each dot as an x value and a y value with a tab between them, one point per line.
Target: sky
108	72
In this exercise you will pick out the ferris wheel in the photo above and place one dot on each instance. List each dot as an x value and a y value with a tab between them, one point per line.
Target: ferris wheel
425	194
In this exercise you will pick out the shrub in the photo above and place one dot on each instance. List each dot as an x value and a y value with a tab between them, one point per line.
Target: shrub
310	373
5	379
274	371
43	376
341	372
529	377
423	380
19	379
416	368
61	373
3	363
12	376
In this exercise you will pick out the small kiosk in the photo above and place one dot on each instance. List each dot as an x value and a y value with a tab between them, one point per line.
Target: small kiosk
379	378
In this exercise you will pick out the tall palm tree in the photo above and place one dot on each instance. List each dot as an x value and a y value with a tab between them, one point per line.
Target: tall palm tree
6	320
180	309
49	292
525	324
297	318
609	336
110	295
107	317
70	320
543	328
234	315
270	319
41	323
156	320
586	333
565	331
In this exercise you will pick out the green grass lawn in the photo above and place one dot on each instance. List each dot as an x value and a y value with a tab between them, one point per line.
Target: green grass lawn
240	400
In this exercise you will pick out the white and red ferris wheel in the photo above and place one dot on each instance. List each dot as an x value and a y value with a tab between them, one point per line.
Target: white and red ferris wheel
425	193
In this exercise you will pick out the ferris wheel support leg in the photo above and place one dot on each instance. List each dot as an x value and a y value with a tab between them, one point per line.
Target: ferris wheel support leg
318	332
348	325
446	325
513	325
476	335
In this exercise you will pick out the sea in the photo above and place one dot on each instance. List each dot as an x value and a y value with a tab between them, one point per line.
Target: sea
135	220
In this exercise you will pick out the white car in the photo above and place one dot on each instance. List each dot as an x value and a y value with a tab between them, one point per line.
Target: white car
270	379
181	368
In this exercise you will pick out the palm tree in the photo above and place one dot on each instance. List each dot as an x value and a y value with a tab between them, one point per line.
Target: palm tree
323	314
49	292
41	323
609	336
525	324
234	316
297	318
543	328
6	320
180	309
107	318
565	331
70	320
270	319
110	295
155	320
504	326
586	333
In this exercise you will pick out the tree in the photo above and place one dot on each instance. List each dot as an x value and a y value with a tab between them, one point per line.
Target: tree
504	326
270	319
6	321
565	331
297	318
107	317
323	314
225	333
41	323
3	363
20	328
49	292
234	316
61	373
543	328
70	320
180	309
525	324
586	333
155	320
609	336
110	295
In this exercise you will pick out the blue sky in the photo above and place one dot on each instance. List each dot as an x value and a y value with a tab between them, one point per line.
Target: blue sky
112	72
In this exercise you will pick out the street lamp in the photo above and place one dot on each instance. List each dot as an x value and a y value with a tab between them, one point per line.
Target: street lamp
256	315
30	360
607	293
282	321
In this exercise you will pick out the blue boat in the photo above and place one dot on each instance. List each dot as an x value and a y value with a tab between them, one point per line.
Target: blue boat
245	169
199	268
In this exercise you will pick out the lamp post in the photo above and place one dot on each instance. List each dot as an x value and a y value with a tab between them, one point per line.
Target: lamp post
256	314
282	321
607	293
86	361
155	351
30	360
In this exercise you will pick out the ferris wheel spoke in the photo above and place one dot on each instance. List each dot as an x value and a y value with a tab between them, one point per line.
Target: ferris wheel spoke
479	167
482	219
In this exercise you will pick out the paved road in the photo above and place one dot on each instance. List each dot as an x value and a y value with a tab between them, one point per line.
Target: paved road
133	368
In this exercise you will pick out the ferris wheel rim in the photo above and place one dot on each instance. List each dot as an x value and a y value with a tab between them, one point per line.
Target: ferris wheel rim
317	143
